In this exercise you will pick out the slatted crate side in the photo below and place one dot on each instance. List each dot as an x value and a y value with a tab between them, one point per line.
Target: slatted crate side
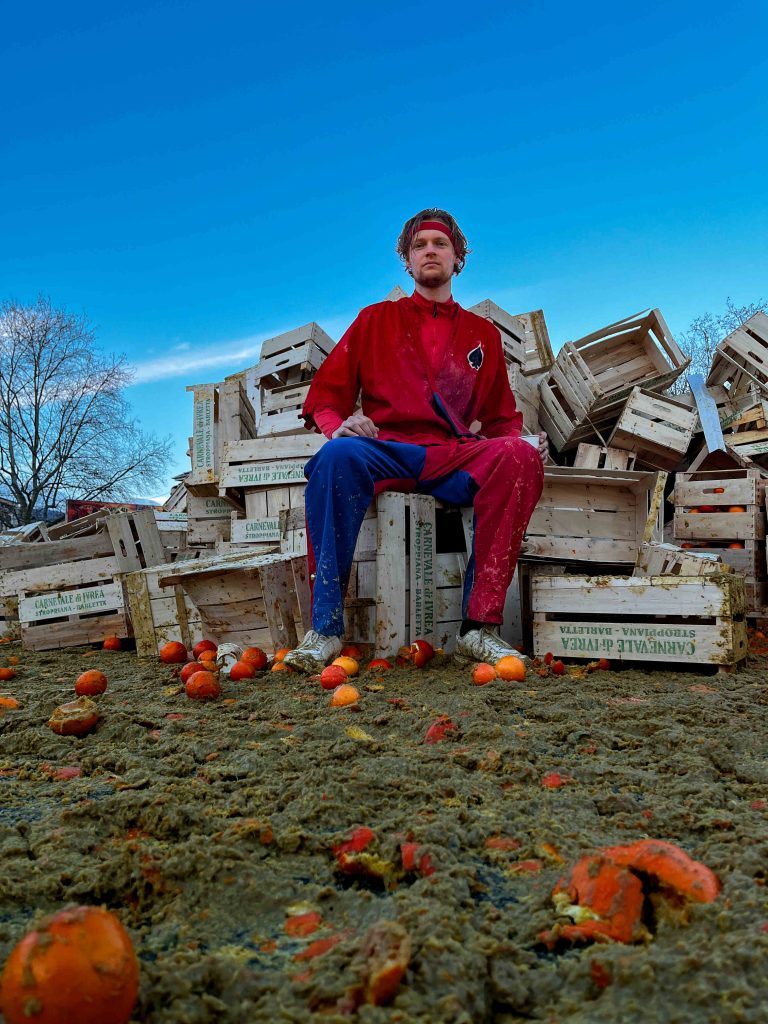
268	462
594	515
669	560
27	555
527	397
656	428
594	456
666	619
538	348
160	615
237	417
719	490
209	520
71	606
741	358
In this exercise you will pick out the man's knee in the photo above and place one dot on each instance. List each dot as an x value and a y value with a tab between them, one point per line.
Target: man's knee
340	455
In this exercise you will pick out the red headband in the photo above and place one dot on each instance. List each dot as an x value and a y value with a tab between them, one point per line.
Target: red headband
433	225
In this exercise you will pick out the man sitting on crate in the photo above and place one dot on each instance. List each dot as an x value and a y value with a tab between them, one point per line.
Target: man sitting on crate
426	372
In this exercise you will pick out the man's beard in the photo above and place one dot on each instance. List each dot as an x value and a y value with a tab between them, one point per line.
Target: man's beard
432	277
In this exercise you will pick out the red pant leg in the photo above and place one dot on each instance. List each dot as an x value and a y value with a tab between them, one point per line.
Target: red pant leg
509	478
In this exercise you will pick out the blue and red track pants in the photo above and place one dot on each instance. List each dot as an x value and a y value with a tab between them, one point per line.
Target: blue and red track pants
501	477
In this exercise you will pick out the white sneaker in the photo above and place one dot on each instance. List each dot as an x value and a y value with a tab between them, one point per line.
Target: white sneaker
314	652
484	645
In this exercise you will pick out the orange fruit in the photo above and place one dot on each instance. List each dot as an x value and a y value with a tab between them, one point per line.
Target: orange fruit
718	490
349	665
279	666
352	651
90	684
203	686
736	508
242	670
7	673
13	660
112	643
256	657
510	668
738	545
281	653
332	676
173	653
8	703
204	645
693	511
343	695
78	966
189	670
75	718
380	664
483	673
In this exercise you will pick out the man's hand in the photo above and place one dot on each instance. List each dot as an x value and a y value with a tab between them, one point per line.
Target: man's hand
356	425
543	447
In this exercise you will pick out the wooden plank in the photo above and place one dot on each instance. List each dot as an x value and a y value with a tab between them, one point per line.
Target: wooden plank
256	531
277	587
422	607
153	551
295	338
204	448
124	543
56	577
29	556
731	526
54	636
274	449
390	573
263	474
59	603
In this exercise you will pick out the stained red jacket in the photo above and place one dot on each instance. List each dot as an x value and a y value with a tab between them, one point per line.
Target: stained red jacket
383	359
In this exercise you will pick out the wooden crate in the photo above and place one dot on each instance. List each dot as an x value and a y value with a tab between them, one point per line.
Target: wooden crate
160	615
281	410
292	357
656	428
678	620
720	489
594	515
222	413
741	359
658	559
595	456
584	392
267	462
70	605
242	598
512	331
209	520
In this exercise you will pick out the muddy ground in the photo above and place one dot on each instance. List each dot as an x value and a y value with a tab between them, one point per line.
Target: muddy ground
208	827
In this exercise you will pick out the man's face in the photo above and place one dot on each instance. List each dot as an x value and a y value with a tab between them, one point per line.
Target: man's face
431	258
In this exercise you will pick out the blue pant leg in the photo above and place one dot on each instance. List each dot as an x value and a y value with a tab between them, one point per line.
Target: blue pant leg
342	480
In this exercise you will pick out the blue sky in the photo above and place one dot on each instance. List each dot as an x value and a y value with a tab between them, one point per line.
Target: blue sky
196	176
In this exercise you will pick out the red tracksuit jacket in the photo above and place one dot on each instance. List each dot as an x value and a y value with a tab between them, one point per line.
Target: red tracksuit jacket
382	358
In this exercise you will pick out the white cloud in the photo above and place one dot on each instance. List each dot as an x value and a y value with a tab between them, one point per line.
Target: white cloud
180	363
183	361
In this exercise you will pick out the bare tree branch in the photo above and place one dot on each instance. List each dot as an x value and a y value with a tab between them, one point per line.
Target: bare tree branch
706	332
65	427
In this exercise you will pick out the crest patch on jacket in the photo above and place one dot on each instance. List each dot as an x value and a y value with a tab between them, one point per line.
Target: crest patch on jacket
475	357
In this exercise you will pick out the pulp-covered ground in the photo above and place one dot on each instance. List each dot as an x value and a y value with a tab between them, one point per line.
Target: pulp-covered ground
209	828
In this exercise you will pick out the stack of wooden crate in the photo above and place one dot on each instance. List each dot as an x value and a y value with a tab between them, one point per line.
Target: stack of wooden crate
627	364
723	512
69	589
